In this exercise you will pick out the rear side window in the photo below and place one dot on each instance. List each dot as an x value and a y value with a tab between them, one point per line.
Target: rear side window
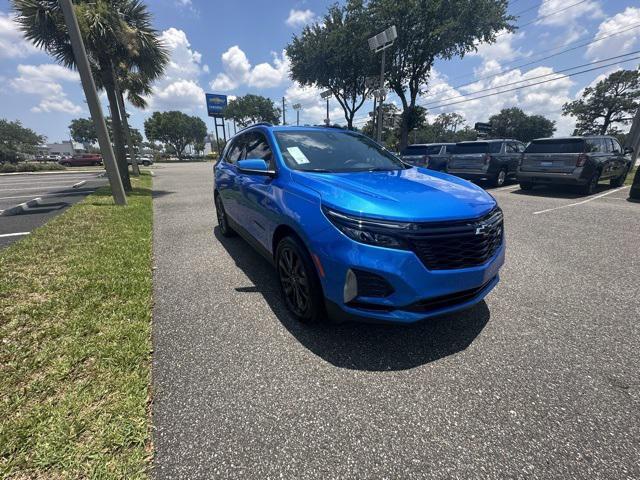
421	150
596	145
477	147
235	152
562	145
258	147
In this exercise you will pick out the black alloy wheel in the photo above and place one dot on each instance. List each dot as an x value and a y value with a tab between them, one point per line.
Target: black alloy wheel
299	284
223	221
501	177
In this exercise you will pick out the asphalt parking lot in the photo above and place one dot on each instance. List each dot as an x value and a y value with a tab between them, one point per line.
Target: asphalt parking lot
539	381
56	190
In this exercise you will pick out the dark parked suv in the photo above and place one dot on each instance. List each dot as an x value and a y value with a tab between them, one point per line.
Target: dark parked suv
492	160
581	161
431	155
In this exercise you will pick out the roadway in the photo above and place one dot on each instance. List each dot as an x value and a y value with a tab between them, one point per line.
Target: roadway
56	191
539	381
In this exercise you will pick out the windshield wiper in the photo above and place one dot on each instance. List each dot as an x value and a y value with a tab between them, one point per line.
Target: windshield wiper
316	170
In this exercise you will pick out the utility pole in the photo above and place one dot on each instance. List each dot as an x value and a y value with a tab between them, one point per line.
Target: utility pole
82	63
380	43
284	112
633	141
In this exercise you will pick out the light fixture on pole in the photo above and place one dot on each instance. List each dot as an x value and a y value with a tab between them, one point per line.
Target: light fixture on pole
297	108
380	43
327	94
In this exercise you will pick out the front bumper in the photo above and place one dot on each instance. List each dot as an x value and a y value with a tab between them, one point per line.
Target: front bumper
411	281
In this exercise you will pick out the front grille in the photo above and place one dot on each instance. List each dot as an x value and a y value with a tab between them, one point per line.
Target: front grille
372	285
451	300
460	244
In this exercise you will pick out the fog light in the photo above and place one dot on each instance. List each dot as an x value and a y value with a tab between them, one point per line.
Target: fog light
350	286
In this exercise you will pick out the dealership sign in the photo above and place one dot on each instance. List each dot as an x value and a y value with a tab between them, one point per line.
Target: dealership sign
215	104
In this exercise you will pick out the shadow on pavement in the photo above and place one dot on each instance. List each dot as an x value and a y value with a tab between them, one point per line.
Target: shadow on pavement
361	346
552	191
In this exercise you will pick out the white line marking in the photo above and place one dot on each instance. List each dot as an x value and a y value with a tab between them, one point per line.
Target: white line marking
582	202
510	187
61	187
17	234
45	181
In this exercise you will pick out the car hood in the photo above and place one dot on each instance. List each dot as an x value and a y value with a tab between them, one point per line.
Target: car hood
413	194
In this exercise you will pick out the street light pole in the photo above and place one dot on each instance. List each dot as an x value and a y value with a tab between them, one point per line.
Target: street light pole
297	108
89	86
380	43
379	133
284	111
327	94
633	141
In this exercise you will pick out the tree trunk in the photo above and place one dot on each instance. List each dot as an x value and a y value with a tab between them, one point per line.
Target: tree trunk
127	131
116	126
404	131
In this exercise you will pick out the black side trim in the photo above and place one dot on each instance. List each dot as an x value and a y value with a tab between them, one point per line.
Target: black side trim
247	237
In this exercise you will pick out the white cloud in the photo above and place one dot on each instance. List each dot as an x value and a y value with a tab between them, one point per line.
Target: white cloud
12	42
179	88
567	14
502	50
238	71
620	43
43	81
63	105
544	99
298	18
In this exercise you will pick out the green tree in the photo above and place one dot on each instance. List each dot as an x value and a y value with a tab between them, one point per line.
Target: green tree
16	140
607	104
176	130
514	123
334	54
250	109
428	30
113	31
446	128
83	130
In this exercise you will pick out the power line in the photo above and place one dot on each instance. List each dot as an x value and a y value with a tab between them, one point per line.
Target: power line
528	79
550	14
534	84
595	40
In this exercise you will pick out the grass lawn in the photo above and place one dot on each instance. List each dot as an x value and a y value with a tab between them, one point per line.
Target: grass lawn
75	345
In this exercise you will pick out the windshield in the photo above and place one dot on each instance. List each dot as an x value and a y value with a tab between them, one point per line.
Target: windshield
575	145
422	150
477	147
340	151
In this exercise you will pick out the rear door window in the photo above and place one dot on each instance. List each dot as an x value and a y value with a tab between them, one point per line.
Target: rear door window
471	147
615	146
596	145
421	150
512	148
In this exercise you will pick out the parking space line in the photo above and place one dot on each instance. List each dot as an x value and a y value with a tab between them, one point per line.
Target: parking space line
60	187
61	194
47	181
17	234
510	187
582	202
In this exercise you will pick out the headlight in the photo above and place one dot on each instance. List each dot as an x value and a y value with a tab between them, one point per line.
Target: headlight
367	230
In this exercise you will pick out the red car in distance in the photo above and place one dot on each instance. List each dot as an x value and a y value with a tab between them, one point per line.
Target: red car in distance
82	160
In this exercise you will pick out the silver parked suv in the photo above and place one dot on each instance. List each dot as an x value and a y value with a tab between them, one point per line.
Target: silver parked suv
581	161
492	160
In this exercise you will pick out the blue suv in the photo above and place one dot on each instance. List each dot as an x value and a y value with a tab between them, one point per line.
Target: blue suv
353	232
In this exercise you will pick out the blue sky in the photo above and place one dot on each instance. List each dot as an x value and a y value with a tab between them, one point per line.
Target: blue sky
236	47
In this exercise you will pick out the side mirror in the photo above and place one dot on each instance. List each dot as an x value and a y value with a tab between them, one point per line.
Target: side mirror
255	166
628	150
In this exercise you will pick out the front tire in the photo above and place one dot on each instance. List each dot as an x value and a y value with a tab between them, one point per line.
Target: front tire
619	181
223	220
526	186
299	284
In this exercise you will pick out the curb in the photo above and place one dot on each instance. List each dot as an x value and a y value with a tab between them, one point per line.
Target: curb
23	207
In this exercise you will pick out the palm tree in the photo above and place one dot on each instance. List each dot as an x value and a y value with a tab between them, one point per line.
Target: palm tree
116	33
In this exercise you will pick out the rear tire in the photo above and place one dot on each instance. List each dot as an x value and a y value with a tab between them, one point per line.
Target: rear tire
500	178
223	220
526	186
619	181
146	163
299	284
591	187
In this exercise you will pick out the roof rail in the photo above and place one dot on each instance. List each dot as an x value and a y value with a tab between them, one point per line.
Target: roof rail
266	124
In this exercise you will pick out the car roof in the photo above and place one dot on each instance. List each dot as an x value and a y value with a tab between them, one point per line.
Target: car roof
429	144
489	140
575	137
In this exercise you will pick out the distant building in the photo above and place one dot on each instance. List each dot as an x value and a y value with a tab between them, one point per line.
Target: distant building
66	147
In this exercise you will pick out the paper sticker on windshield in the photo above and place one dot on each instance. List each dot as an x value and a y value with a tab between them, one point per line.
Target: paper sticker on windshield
298	157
